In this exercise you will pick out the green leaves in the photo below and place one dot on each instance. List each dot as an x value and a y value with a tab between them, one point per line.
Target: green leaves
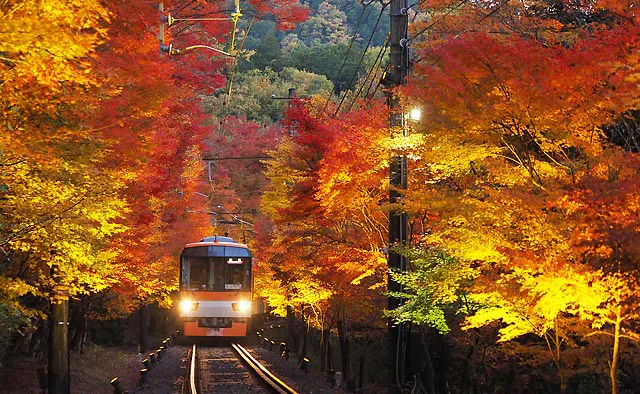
433	289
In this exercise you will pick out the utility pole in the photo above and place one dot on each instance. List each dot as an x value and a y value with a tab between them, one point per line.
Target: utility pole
59	379
398	222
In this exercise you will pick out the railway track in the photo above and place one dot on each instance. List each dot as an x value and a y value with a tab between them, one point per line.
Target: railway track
230	370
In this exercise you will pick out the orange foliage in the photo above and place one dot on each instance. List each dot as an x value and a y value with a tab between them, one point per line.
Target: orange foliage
327	180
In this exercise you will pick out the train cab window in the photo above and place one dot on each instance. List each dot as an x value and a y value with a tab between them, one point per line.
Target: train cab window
238	274
218	270
217	251
198	274
235	277
214	273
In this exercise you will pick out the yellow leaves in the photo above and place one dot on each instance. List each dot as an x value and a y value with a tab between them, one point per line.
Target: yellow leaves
58	215
15	287
530	300
46	47
457	221
357	280
514	323
361	265
309	292
282	177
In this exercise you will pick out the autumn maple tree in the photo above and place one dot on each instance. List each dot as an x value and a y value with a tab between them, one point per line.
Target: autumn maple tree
514	115
321	257
101	150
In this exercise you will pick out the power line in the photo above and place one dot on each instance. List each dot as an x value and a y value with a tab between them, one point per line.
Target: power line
427	28
386	69
346	57
374	67
364	52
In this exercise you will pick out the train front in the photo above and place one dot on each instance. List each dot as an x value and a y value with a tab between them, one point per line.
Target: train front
215	288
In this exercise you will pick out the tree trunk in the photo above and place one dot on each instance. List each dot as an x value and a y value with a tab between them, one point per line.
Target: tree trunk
442	368
38	340
563	378
330	366
361	375
303	349
143	334
77	325
469	371
613	367
77	341
324	341
344	351
554	346
431	373
291	335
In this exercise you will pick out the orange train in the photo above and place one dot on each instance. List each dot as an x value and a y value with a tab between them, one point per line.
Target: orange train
215	288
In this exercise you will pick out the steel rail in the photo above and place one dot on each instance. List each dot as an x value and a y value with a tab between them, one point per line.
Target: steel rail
273	381
192	372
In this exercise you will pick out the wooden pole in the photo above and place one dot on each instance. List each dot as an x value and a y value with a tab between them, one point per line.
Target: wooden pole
59	380
398	179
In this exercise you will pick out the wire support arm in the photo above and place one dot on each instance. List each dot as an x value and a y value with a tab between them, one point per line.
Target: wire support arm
174	51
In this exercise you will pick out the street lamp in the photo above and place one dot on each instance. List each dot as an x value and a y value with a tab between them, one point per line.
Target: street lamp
414	114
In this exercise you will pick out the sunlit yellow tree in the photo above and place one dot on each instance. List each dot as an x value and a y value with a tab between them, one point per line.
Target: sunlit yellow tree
515	162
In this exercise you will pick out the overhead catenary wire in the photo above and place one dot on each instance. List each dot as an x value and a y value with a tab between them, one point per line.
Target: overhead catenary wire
368	97
199	17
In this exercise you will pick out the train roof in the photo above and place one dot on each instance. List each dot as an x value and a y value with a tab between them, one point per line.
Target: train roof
217	246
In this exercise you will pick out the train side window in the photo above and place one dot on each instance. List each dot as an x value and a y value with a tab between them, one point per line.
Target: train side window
247	276
184	275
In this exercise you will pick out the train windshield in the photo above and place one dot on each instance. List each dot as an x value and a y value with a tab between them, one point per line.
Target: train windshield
215	273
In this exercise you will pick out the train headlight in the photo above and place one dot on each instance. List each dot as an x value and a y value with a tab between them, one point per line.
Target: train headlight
188	305
241	306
